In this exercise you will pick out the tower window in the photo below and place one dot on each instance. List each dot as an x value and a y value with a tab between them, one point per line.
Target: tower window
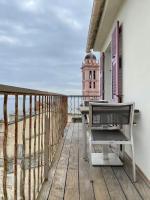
94	74
90	85
90	75
93	84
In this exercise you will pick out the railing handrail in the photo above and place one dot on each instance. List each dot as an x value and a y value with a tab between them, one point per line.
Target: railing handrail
13	90
83	95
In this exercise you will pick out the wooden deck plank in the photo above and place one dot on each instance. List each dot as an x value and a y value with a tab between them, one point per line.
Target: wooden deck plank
113	186
98	181
72	182
127	186
58	185
86	188
72	178
99	185
43	195
142	187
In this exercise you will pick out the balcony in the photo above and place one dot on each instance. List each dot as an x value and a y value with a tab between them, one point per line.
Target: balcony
42	147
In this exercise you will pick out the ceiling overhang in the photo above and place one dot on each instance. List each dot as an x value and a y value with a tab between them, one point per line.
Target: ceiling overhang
102	19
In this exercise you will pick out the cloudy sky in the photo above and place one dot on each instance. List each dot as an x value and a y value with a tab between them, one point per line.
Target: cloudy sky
42	43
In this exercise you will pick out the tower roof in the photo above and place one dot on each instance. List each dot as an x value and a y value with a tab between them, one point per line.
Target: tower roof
90	56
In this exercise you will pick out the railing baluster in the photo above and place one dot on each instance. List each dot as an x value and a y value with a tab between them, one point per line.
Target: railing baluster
56	119
34	172
30	134
16	148
5	157
74	106
52	141
22	178
60	116
39	132
42	133
46	142
54	131
49	113
57	113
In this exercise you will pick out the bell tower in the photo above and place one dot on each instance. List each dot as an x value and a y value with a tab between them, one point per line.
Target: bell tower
90	76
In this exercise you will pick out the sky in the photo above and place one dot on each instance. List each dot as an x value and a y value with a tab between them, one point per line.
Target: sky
42	43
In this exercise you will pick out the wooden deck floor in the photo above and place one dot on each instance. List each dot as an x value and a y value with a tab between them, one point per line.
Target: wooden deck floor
71	178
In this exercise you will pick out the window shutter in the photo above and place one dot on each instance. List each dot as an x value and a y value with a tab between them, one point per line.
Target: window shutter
116	67
102	58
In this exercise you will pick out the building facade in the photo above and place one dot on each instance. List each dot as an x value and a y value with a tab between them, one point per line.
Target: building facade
90	76
120	30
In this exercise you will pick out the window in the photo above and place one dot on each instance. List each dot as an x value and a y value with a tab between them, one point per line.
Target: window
90	75
93	84
90	85
94	74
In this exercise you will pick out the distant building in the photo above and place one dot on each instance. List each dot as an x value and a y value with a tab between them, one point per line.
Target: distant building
90	76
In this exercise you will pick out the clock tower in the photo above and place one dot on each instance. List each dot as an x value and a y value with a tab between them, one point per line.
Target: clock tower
90	76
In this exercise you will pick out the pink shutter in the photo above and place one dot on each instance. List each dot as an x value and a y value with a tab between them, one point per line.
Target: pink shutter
116	68
102	58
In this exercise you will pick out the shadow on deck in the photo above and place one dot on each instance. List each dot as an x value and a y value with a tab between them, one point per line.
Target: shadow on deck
71	178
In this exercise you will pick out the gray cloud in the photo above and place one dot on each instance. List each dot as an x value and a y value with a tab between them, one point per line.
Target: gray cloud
42	43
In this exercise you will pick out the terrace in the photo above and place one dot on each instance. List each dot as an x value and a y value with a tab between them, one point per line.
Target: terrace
42	152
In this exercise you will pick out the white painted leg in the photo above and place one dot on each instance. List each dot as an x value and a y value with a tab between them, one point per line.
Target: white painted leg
133	163
105	152
85	136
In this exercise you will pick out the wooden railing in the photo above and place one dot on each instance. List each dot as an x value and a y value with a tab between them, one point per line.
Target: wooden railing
28	139
32	124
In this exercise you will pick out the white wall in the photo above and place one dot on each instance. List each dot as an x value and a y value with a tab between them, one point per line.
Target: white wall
135	17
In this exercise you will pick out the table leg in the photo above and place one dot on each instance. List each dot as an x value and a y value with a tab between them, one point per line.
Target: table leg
105	152
85	136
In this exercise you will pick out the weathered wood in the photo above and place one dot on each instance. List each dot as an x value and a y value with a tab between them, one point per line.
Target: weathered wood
72	182
69	179
39	149
58	186
22	178
16	148
127	186
47	184
142	187
30	133
49	115
11	90
5	157
99	185
46	152
34	171
85	185
97	179
52	140
42	134
113	185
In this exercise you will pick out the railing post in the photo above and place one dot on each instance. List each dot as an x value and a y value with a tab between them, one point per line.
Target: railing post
46	150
